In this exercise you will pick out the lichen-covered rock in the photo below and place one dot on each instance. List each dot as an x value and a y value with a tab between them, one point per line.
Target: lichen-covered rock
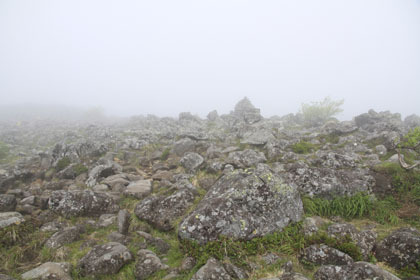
81	203
356	271
329	182
10	218
7	202
400	249
183	146
147	264
191	161
212	270
382	121
162	211
258	137
104	259
243	205
246	112
365	239
246	158
102	171
49	270
63	237
324	255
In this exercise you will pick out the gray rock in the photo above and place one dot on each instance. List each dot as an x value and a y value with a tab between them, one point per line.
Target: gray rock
324	255
10	218
105	220
212	270
234	271
383	121
183	146
139	189
188	263
49	270
356	271
105	259
147	264
7	202
246	158
191	161
6	277
246	112
162	211
400	249
243	205
257	137
381	150
123	221
101	171
311	225
365	240
63	237
292	276
81	203
412	121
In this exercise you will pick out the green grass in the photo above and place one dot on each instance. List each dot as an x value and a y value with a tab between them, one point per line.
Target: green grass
62	163
79	169
356	206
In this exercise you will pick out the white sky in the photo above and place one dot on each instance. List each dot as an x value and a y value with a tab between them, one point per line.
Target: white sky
164	57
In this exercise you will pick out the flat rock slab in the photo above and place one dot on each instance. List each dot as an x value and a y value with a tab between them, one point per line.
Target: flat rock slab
139	189
10	218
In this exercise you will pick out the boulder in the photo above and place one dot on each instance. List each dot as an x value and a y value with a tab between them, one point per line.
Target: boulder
324	255
7	202
246	158
400	249
358	270
10	218
213	269
246	112
258	137
104	259
162	211
123	221
49	270
183	146
139	189
243	205
191	161
147	264
60	238
81	203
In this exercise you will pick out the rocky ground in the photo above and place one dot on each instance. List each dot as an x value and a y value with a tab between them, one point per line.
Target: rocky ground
235	196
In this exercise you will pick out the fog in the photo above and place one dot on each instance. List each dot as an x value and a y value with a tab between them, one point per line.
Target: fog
165	57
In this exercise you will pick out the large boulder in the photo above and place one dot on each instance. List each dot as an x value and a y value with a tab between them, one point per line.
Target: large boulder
139	189
246	158
7	202
356	271
243	205
147	264
102	171
183	146
161	211
258	137
382	121
400	249
49	270
329	182
104	259
81	203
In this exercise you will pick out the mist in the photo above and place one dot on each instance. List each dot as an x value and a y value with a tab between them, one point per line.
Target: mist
165	57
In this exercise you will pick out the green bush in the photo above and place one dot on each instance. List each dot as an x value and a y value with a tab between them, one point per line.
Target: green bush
318	113
79	169
303	147
62	163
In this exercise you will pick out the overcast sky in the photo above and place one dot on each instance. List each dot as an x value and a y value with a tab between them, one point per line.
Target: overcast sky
164	57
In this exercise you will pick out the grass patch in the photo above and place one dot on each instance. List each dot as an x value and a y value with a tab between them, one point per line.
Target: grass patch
62	163
79	169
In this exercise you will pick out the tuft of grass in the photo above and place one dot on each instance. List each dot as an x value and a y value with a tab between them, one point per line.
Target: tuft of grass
165	154
356	206
79	169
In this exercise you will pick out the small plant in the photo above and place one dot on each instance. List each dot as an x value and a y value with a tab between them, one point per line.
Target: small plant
79	169
62	163
318	113
165	154
303	147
